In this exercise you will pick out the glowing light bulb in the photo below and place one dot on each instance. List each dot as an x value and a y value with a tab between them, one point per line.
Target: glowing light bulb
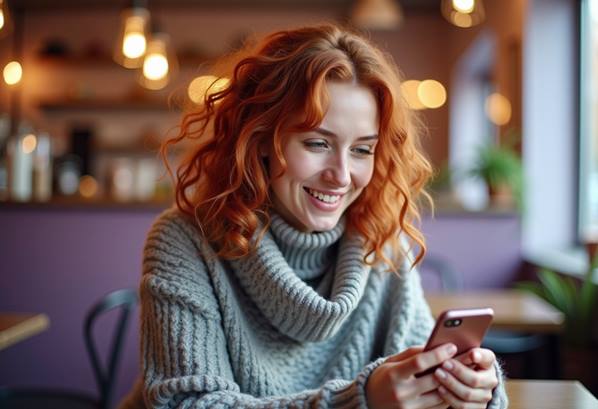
133	41
464	6
159	64
134	45
155	67
13	72
29	143
431	93
1	19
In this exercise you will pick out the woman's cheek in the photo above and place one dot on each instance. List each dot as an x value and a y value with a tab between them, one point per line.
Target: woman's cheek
364	174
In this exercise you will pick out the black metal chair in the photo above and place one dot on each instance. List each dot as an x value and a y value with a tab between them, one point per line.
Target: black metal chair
105	374
500	341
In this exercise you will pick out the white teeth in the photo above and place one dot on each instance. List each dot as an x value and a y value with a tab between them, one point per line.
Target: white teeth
324	198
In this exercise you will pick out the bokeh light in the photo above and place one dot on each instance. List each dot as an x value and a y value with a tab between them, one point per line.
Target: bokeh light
205	84
431	93
29	143
498	109
13	72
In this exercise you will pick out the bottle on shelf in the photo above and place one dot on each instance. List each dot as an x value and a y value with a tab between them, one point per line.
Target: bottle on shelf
4	131
20	150
42	168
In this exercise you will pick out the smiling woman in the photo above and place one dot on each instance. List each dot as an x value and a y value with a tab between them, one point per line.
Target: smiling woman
327	168
283	277
279	88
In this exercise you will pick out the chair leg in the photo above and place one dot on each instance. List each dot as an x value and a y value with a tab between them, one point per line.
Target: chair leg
554	357
529	361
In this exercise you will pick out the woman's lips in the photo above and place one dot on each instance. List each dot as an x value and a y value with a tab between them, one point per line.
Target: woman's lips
322	200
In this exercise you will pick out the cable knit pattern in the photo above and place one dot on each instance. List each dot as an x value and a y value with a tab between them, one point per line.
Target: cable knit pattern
253	333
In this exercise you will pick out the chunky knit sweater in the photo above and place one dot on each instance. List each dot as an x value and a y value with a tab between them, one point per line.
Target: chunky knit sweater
302	322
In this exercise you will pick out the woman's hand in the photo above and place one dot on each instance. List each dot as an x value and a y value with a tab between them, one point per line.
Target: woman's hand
468	380
394	385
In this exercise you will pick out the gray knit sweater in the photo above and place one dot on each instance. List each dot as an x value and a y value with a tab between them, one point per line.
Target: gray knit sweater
300	323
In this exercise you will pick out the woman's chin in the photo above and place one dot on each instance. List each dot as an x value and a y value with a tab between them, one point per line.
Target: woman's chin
322	224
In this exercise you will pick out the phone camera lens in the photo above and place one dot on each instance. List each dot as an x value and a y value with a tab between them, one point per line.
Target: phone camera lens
452	323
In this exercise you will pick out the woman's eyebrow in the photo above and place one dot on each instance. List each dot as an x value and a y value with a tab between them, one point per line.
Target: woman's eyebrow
326	132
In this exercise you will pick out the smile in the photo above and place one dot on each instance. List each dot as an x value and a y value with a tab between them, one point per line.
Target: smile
322	196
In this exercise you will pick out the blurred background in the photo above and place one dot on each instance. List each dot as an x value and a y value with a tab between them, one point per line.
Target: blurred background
90	88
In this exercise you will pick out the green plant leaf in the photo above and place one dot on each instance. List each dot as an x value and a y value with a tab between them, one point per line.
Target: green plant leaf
532	287
578	303
587	299
556	292
570	291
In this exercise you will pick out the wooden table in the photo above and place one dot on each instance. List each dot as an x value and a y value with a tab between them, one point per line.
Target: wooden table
15	327
526	394
514	310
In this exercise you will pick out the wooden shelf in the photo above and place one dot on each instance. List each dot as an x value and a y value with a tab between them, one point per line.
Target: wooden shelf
105	104
78	203
77	61
138	99
106	61
126	151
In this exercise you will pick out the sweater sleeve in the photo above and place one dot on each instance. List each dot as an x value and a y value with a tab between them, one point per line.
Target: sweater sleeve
500	399
184	352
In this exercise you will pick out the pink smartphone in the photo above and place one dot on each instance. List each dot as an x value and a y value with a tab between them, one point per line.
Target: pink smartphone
465	328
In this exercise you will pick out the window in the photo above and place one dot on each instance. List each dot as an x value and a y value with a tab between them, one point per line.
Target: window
588	177
469	126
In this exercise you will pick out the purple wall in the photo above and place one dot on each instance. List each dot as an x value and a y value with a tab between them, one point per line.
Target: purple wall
485	248
59	261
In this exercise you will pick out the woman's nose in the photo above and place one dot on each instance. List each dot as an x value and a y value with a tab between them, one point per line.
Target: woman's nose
338	173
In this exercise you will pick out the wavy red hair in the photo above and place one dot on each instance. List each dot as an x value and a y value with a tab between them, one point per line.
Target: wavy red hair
223	183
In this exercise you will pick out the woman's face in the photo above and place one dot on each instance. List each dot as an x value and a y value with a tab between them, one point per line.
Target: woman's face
328	168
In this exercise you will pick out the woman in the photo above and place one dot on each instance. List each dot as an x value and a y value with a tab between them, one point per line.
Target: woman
283	277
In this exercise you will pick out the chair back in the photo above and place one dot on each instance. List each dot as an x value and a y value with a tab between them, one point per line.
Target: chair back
442	269
105	372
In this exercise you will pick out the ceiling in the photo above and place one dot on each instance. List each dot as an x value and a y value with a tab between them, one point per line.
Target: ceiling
419	6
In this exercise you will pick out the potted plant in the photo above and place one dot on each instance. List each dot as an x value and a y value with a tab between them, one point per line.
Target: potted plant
578	303
500	167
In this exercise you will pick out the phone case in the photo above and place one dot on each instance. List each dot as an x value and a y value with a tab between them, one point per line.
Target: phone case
465	328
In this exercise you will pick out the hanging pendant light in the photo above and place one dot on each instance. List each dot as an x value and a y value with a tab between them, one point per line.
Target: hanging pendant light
12	73
463	13
132	40
5	20
159	62
377	14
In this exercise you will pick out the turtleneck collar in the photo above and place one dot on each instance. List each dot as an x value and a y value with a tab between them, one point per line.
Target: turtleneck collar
308	254
285	299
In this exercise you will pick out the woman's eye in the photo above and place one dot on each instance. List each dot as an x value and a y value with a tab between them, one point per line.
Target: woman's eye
363	150
316	144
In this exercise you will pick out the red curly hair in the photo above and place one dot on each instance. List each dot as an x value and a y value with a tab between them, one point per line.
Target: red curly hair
224	184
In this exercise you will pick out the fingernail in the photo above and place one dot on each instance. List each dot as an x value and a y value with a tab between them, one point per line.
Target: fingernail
448	365
441	374
451	349
476	356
